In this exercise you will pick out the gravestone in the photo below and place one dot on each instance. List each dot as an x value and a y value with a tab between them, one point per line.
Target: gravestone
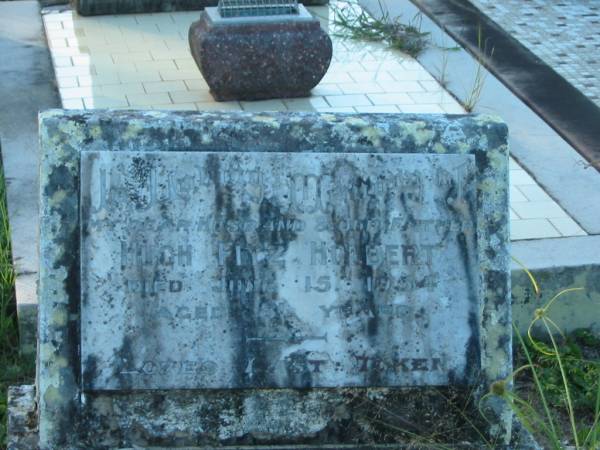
226	279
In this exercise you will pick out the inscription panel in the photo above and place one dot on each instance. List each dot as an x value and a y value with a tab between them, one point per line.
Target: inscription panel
241	270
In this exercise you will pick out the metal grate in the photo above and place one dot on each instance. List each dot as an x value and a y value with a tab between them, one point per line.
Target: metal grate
252	8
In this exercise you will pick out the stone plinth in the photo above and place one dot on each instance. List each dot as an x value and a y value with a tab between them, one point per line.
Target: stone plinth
252	58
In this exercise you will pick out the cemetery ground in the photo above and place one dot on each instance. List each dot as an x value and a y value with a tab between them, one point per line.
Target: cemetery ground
15	367
141	61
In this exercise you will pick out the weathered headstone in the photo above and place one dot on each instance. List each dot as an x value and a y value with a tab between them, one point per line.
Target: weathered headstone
228	278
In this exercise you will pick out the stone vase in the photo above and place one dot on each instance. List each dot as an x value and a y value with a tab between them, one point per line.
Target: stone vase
254	58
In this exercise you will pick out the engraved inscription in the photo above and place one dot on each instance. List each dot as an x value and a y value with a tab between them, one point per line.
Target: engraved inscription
218	270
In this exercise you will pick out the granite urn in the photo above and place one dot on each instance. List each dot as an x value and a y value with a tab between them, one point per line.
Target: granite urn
260	57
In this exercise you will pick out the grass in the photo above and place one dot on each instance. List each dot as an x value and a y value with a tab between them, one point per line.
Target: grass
568	379
351	21
442	77
474	94
355	23
556	391
449	419
14	368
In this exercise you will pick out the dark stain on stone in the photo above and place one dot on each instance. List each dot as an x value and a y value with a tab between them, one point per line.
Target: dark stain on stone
361	203
473	347
73	290
62	179
408	144
90	371
365	270
497	135
481	159
499	280
111	131
213	168
504	341
250	360
140	171
124	356
280	235
158	403
79	119
298	370
490	253
365	142
495	226
453	379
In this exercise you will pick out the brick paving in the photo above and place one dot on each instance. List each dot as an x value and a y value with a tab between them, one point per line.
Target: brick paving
565	34
143	61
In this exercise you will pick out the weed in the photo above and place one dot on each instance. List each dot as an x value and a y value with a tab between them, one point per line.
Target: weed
480	74
565	379
356	23
441	74
443	70
14	368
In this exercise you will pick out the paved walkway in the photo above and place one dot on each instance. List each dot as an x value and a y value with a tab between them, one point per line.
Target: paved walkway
143	61
565	34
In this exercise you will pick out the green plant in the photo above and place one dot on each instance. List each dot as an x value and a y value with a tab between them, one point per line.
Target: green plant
443	71
14	368
567	383
441	74
7	279
476	89
579	353
356	23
